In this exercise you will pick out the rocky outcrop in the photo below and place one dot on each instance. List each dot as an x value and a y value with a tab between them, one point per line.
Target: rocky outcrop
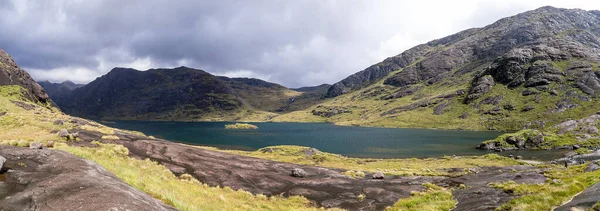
480	87
56	180
329	111
326	187
11	74
512	45
584	200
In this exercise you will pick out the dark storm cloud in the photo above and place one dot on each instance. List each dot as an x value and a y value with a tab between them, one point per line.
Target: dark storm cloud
295	43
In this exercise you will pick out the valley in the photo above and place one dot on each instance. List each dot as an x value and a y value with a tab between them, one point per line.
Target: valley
502	117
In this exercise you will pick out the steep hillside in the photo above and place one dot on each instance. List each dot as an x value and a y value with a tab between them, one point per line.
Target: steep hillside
59	92
11	74
531	70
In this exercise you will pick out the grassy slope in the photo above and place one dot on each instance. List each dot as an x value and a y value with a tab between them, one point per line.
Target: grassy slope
22	126
433	198
185	192
367	106
561	186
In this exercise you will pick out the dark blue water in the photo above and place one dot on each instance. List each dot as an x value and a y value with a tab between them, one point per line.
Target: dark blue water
345	140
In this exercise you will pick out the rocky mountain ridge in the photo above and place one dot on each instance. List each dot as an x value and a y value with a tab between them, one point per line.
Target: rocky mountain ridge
531	70
181	93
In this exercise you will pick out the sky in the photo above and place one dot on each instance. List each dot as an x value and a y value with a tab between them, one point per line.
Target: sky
294	43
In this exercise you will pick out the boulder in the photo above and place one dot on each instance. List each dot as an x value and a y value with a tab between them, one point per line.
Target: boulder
527	108
520	143
378	175
509	107
298	172
576	147
511	140
536	140
528	92
63	133
35	145
591	167
488	145
75	136
566	126
310	152
2	161
58	122
463	116
518	157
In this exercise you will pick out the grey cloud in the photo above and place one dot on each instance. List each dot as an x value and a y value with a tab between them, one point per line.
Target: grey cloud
295	43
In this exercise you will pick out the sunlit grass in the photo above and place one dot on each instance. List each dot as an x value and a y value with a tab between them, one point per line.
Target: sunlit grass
561	186
410	166
185	192
434	198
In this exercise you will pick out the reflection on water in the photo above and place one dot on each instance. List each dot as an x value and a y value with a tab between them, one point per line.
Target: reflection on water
348	141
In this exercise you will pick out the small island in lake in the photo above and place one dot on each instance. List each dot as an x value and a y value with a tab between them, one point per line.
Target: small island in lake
241	126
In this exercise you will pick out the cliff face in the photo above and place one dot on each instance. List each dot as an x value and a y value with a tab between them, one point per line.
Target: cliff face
548	34
11	74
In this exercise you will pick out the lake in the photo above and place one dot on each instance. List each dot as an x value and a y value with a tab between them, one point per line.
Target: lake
345	140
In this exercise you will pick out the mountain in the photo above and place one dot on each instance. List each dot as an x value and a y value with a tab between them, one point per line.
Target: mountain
531	70
182	93
59	92
11	74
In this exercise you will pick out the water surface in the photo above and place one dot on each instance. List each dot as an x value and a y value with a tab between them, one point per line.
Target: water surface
345	140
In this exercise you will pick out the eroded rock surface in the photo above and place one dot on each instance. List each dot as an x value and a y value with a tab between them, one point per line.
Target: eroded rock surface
583	201
54	180
325	186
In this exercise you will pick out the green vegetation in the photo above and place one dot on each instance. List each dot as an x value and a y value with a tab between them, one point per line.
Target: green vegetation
18	123
433	198
596	207
184	192
562	184
110	137
411	166
582	151
551	140
241	126
355	174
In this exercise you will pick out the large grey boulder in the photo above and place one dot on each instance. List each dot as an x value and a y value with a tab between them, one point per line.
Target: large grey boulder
378	175
35	145
63	133
2	161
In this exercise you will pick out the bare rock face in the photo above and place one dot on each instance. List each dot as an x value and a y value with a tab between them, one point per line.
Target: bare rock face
583	201
480	87
56	180
521	47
